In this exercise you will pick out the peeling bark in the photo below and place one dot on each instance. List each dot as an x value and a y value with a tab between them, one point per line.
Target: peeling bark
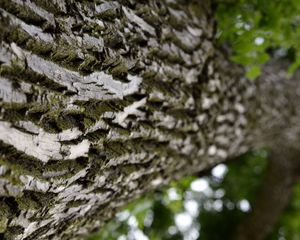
101	102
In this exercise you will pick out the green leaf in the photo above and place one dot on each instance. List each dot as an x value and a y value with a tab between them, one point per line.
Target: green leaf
253	72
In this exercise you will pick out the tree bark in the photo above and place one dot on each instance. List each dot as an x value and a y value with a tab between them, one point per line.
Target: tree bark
101	102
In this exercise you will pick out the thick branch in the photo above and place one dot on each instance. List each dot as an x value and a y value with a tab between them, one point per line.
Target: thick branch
101	102
273	196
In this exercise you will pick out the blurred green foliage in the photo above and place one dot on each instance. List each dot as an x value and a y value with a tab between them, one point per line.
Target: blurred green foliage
255	28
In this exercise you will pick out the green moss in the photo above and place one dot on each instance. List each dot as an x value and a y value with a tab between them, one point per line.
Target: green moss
21	12
62	54
35	112
155	83
75	203
49	6
97	136
72	58
109	14
168	57
170	37
49	123
4	213
88	122
145	12
128	168
136	39
88	64
38	47
96	29
9	208
70	119
17	35
176	23
14	112
95	109
114	148
147	125
197	9
35	200
11	176
113	40
19	163
3	223
123	131
174	76
120	72
26	203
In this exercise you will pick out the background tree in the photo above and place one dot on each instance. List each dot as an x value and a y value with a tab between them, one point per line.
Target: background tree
103	101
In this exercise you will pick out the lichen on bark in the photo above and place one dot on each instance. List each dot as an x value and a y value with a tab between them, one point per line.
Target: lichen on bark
103	101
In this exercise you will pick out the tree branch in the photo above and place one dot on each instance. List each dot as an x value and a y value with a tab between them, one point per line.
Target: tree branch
272	198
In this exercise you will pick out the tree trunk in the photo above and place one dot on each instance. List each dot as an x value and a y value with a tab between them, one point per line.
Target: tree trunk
101	102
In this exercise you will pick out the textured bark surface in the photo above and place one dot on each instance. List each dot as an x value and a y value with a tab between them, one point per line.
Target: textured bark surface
103	101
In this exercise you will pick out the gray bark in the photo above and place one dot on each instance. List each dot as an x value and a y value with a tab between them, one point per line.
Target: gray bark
101	102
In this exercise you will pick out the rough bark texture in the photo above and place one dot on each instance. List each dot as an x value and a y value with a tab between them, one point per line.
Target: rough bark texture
103	101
